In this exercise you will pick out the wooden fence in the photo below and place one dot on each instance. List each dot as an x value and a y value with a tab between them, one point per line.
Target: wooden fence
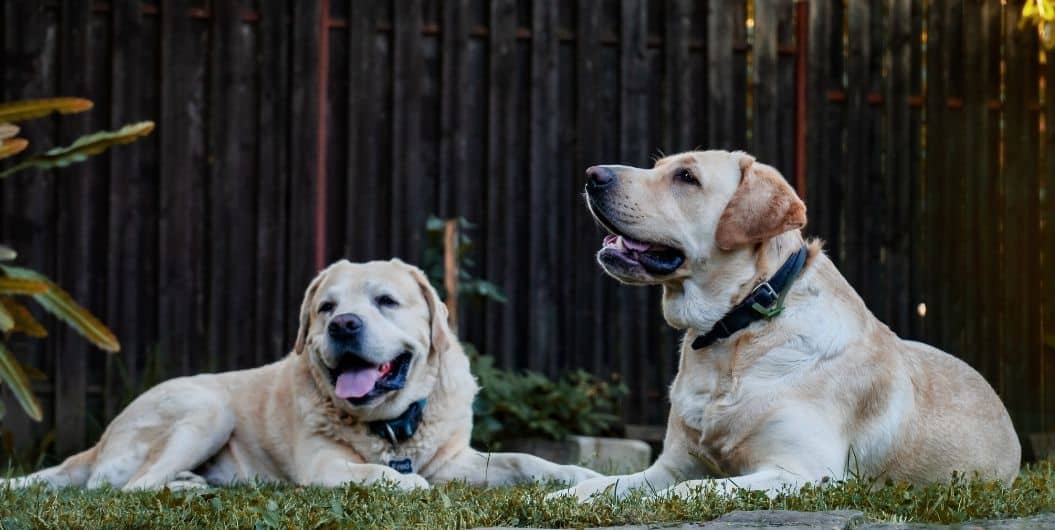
294	133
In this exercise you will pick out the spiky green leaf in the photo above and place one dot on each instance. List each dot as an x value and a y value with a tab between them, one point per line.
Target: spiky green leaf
14	377
82	148
59	303
28	109
21	286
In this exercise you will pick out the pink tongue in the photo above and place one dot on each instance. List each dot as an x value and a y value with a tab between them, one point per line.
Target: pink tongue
357	384
635	245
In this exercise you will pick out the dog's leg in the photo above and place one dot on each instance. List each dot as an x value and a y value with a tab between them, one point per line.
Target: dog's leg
496	469
669	468
771	481
332	469
187	445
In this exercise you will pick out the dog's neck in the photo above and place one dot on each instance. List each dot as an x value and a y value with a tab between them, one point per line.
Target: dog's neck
698	302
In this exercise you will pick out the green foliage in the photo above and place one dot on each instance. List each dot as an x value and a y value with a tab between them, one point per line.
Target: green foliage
530	405
16	282
456	505
433	262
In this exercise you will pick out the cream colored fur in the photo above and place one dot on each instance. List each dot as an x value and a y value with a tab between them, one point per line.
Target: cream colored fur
824	390
283	422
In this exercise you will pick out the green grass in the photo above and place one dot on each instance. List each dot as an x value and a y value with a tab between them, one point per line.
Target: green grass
460	506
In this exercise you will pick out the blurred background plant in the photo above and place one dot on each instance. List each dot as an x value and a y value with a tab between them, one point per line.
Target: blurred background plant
18	283
520	404
1040	14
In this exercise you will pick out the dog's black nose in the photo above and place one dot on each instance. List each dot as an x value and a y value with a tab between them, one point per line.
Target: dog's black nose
598	177
345	326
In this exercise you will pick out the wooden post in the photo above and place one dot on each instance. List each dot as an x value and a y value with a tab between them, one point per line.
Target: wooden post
450	270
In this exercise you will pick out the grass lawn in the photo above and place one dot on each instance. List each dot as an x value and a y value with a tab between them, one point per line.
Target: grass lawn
460	506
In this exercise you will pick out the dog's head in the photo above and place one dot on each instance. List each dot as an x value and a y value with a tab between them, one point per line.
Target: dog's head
371	330
666	222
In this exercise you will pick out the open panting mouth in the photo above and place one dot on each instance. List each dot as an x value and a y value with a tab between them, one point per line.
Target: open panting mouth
656	259
360	381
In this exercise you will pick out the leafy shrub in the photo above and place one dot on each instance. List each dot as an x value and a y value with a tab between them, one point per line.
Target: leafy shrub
530	405
18	282
521	404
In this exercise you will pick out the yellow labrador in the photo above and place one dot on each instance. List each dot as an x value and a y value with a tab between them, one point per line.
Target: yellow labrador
377	388
770	399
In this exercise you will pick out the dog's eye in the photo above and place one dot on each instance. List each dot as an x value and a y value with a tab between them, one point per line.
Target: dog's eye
686	176
386	301
326	307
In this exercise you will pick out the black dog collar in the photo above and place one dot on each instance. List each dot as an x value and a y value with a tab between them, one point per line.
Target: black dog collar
765	301
401	428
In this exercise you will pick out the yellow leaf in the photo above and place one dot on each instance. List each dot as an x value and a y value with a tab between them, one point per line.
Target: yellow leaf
24	320
11	373
12	146
28	109
59	303
21	286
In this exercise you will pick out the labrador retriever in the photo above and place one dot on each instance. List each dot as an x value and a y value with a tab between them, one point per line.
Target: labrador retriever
377	388
785	377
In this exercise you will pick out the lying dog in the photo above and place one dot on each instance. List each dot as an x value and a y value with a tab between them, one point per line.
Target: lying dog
377	388
785	376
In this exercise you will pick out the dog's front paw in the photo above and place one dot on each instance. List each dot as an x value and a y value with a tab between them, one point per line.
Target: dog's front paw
587	490
411	481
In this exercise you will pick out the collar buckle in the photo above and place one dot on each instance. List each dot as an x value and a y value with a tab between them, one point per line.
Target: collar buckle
765	300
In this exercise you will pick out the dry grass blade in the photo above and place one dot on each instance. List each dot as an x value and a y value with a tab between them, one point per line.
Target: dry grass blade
25	322
28	109
11	373
59	303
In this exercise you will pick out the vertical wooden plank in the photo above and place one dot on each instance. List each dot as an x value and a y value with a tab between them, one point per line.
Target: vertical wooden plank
900	145
990	212
679	83
1020	186
273	312
825	121
587	82
232	190
457	182
973	170
934	171
1047	246
766	132
408	189
132	255
951	209
501	146
726	75
542	323
304	147
77	227
784	79
633	151
858	210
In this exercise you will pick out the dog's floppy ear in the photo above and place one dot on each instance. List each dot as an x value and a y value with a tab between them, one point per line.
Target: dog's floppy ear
440	332
306	310
763	206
